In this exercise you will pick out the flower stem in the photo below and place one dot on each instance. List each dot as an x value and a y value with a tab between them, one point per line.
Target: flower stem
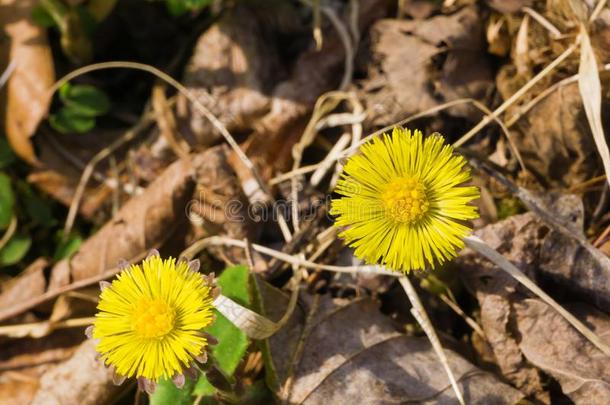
421	316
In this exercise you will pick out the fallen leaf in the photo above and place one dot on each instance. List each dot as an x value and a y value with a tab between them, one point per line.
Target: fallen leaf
526	335
551	344
82	379
417	65
233	63
27	96
352	353
31	283
555	140
24	361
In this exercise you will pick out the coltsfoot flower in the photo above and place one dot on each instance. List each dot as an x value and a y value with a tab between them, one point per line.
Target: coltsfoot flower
403	203
150	320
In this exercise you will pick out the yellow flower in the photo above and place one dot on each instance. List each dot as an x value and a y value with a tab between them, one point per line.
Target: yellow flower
150	319
402	201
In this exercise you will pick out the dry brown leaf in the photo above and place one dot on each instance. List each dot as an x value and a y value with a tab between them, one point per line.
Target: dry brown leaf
418	65
27	97
526	335
232	67
144	222
82	379
24	361
314	73
30	283
551	344
555	140
353	354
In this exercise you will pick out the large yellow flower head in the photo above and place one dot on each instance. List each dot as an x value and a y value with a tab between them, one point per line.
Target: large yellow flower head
403	201
150	319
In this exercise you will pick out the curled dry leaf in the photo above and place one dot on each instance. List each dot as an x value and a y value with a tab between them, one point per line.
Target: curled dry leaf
551	344
27	97
591	94
348	352
232	65
555	139
421	64
526	335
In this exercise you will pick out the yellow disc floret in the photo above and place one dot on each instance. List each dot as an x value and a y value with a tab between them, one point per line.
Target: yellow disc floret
405	200
152	318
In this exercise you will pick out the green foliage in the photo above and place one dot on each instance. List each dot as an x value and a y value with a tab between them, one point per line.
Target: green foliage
85	99
7	201
15	249
42	17
232	342
508	207
82	104
67	247
179	7
69	121
7	157
167	393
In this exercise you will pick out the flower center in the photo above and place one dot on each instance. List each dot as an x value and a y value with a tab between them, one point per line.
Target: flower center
405	200
153	318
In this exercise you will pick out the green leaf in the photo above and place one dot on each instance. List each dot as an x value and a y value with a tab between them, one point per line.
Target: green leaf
167	393
15	249
232	342
85	99
7	157
178	7
41	16
68	247
68	121
234	283
7	201
39	210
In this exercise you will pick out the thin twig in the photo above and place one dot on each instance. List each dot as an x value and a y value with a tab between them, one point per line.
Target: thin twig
543	94
456	308
555	33
30	329
202	244
421	316
99	156
10	231
598	9
298	172
518	94
8	72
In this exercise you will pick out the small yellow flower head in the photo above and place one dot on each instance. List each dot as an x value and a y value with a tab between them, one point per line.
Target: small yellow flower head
403	202
150	320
